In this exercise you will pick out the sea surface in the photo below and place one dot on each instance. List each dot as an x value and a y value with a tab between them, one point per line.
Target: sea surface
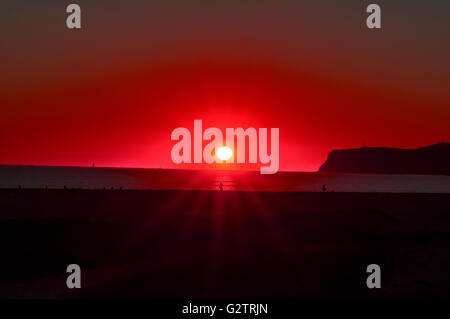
57	177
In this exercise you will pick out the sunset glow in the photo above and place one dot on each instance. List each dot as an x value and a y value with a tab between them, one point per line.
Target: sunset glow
224	153
269	69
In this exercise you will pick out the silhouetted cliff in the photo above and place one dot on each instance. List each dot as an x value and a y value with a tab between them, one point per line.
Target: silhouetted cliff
432	160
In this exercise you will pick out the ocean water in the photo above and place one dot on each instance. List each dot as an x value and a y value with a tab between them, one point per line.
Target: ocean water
132	178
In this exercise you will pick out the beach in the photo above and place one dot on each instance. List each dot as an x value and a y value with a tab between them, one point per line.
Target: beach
54	177
211	244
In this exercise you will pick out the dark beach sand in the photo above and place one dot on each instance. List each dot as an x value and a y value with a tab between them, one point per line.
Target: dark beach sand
148	243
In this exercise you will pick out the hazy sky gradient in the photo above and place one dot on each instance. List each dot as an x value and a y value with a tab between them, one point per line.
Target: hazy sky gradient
112	92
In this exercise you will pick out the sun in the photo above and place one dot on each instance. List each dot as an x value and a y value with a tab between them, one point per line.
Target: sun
224	153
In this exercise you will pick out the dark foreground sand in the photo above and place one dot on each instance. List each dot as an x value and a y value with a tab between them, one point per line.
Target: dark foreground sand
223	244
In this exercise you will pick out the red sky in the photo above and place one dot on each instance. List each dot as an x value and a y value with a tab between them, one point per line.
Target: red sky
112	92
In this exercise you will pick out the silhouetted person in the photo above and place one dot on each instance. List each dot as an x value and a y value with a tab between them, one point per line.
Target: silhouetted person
221	186
20	186
65	187
324	188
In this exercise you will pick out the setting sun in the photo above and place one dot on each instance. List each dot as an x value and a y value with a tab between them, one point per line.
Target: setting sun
224	153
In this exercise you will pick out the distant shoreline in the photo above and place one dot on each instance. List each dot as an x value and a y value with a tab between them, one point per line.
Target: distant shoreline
41	177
